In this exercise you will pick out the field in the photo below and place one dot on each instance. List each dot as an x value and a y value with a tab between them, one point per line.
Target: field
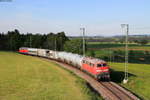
105	49
115	46
139	78
29	78
116	51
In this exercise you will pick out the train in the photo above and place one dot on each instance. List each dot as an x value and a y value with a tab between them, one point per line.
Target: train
97	68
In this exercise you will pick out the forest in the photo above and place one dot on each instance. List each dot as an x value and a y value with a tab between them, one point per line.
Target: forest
12	40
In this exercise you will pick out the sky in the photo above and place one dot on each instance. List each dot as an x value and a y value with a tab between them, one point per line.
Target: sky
99	17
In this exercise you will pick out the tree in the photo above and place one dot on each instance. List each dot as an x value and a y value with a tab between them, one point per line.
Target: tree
91	53
74	46
27	40
143	42
61	39
13	40
3	41
50	42
55	41
36	41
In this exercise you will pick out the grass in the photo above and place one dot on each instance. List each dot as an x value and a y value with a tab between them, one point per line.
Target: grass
100	53
29	78
139	78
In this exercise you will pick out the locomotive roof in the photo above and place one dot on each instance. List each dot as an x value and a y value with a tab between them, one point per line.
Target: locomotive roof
94	60
32	48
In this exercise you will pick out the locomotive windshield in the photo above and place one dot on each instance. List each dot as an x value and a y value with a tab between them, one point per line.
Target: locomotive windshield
101	65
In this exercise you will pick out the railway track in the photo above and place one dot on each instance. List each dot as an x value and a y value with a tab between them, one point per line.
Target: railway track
108	90
118	91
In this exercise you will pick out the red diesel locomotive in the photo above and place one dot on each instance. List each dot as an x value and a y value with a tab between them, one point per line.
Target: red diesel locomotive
96	67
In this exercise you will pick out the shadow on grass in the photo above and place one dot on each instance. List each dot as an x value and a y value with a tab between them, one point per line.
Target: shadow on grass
118	76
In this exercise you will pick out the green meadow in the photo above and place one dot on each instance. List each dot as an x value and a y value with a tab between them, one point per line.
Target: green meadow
139	78
30	78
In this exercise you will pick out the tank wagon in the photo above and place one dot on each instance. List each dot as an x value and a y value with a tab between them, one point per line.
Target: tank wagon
95	67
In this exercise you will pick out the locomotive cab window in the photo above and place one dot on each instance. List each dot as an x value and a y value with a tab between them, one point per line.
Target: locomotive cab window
83	61
102	65
99	65
92	65
87	62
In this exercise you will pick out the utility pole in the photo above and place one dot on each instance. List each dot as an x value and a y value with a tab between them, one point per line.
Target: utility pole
83	37
55	47
30	42
55	43
110	55
11	43
126	27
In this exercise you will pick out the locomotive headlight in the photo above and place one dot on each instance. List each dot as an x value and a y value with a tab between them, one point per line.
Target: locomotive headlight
105	70
98	70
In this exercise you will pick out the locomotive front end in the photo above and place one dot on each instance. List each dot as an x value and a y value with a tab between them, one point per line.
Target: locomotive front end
102	71
96	67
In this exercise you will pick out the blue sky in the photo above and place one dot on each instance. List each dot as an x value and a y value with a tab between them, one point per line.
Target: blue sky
99	17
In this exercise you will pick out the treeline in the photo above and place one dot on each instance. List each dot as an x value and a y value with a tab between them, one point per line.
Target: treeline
12	40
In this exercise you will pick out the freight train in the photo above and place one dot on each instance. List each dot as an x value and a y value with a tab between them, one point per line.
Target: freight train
95	67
